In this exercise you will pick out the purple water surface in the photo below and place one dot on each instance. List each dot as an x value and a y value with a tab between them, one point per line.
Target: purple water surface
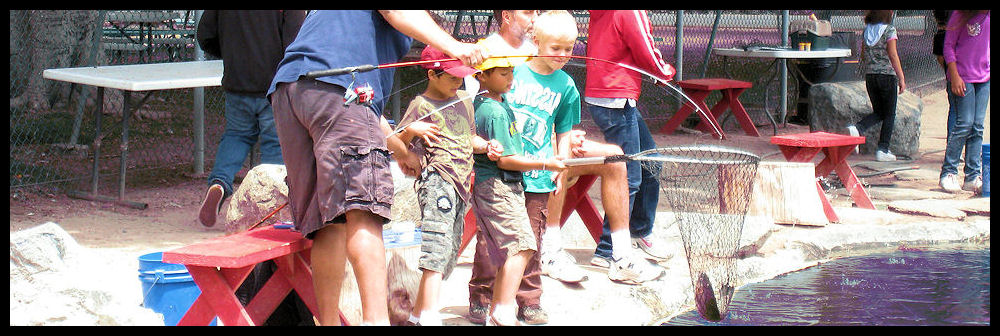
901	288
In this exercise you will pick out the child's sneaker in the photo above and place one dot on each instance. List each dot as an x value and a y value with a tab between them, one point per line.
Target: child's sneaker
211	205
560	266
633	271
478	313
949	183
976	185
853	131
532	315
885	156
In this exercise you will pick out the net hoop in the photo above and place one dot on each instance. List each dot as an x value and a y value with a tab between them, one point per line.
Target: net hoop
675	154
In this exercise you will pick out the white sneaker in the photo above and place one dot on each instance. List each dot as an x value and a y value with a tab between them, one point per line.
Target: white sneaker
975	185
653	252
949	183
853	131
633	271
561	266
885	156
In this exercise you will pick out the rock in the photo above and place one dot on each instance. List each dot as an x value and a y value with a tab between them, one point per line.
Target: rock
55	281
866	216
977	206
833	106
897	194
936	208
263	190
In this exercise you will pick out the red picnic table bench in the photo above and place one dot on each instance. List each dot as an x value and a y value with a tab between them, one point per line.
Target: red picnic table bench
698	90
804	147
219	266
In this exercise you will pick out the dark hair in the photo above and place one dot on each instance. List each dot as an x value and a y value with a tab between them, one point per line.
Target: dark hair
878	16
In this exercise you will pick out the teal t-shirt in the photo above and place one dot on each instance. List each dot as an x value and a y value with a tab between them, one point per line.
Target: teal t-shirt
543	105
495	121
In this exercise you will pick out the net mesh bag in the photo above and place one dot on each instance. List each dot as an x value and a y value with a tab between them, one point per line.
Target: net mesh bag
708	189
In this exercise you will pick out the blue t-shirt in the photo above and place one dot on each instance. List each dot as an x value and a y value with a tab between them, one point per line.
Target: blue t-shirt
330	39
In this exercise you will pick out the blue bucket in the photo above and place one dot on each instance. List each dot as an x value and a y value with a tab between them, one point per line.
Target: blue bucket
167	289
986	170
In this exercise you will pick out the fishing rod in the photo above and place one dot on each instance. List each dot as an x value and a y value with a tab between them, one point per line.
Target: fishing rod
666	83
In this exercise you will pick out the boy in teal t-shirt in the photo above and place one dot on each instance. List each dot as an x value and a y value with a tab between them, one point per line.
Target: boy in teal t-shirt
498	196
546	104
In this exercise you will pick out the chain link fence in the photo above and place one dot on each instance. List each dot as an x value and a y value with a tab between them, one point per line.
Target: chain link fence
52	123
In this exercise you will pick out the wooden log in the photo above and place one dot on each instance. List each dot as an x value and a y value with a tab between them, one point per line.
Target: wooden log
786	192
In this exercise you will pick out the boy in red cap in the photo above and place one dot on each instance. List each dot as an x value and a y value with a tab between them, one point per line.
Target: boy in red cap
441	128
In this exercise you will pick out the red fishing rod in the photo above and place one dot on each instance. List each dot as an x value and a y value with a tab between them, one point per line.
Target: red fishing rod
665	82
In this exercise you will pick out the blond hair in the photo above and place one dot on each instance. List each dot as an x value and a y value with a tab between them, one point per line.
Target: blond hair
555	24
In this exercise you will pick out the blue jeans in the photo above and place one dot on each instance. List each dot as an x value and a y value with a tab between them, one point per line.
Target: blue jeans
248	119
626	128
965	130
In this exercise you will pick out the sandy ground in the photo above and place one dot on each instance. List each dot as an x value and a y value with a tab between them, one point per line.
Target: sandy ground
170	221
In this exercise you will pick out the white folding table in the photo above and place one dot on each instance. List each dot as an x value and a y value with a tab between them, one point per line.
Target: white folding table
135	78
781	54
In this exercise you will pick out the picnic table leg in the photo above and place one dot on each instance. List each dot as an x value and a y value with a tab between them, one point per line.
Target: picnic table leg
578	200
827	207
848	178
733	95
683	112
217	290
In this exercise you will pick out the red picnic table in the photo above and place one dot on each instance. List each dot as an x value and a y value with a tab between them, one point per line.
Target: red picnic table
836	147
219	266
698	90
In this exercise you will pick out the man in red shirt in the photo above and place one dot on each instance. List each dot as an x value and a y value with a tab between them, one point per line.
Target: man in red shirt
624	36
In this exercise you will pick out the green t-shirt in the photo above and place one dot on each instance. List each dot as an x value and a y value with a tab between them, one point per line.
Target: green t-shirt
451	156
495	121
542	104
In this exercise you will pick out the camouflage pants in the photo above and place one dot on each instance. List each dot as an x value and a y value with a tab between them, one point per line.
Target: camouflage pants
442	221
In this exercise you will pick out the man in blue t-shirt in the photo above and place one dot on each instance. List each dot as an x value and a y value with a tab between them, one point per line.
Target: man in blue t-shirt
336	155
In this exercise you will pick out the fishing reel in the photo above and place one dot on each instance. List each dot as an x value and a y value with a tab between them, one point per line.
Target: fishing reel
361	95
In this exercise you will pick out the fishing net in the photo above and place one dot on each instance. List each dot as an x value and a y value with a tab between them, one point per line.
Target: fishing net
708	188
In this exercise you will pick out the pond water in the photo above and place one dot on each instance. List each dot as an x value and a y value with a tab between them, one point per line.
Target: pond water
900	288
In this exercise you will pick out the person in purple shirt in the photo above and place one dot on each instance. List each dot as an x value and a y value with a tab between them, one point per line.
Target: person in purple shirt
967	57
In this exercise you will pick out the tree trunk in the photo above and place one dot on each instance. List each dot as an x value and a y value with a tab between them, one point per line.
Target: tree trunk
46	39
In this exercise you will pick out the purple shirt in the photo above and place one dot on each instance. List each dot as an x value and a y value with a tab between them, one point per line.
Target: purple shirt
971	54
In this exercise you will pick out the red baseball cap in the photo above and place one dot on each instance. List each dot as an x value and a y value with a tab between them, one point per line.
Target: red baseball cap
455	67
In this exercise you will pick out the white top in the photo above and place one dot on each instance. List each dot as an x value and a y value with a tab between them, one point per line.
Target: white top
143	77
782	53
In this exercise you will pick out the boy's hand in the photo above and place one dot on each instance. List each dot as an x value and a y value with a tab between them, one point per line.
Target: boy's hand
429	132
494	150
409	164
576	139
555	165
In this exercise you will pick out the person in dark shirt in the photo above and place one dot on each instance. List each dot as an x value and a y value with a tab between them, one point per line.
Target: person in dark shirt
250	43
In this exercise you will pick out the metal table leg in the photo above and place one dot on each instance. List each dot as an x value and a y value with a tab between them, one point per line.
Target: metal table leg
95	170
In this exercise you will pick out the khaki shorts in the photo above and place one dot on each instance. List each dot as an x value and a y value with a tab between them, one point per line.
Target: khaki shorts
442	222
335	155
502	218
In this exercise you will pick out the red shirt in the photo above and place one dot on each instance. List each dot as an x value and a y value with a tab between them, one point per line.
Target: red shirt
621	36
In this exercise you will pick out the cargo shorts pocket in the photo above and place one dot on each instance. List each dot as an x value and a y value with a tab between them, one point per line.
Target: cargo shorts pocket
366	174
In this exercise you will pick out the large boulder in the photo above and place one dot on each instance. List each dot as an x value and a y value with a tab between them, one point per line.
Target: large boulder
833	106
262	191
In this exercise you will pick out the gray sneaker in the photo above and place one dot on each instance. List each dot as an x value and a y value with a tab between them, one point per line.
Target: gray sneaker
561	266
633	270
976	185
654	252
